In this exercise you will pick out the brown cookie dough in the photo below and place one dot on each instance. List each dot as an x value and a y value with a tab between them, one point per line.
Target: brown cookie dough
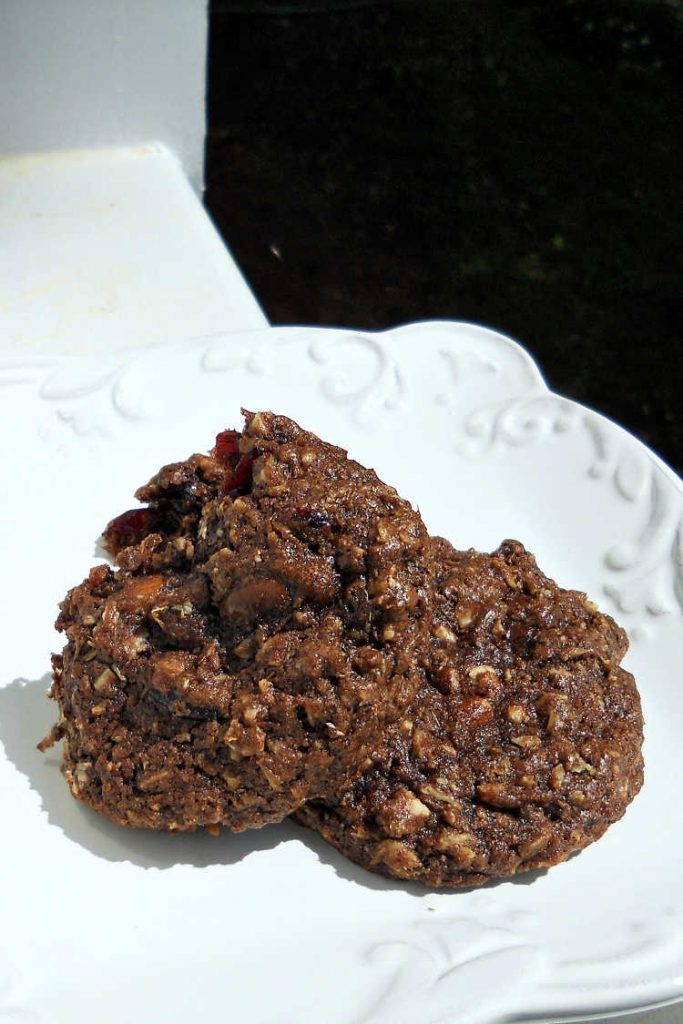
524	746
268	621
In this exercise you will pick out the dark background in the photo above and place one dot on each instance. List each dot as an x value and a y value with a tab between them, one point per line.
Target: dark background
514	163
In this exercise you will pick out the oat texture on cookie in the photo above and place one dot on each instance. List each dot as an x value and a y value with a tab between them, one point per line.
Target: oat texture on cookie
522	747
267	621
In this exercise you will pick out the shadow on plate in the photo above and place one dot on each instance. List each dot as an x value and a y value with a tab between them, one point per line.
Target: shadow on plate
26	715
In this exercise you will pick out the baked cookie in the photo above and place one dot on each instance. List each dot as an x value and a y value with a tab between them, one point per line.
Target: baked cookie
268	621
522	748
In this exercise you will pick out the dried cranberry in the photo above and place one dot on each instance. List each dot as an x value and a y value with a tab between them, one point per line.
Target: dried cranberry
240	479
129	528
227	445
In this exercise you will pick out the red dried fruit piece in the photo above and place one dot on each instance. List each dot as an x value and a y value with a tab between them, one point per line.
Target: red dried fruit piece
129	528
240	479
227	445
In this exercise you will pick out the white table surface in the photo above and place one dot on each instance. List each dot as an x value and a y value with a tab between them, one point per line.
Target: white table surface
108	249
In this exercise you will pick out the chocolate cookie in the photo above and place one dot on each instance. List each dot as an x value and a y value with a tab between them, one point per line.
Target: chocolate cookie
522	748
269	619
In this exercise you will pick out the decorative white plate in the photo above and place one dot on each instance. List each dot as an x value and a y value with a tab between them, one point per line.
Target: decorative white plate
274	927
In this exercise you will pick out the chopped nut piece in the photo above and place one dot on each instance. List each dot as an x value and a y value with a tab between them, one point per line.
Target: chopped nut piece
557	777
464	616
575	763
480	670
516	713
152	780
559	673
242	650
577	652
437	793
402	814
399	857
553	706
534	846
104	682
448	839
526	742
458	845
421	742
82	772
475	711
497	794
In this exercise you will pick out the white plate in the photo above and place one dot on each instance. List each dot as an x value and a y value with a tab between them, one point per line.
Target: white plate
274	927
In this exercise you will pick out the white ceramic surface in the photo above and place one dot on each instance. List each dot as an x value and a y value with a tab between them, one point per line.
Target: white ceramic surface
273	927
108	249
